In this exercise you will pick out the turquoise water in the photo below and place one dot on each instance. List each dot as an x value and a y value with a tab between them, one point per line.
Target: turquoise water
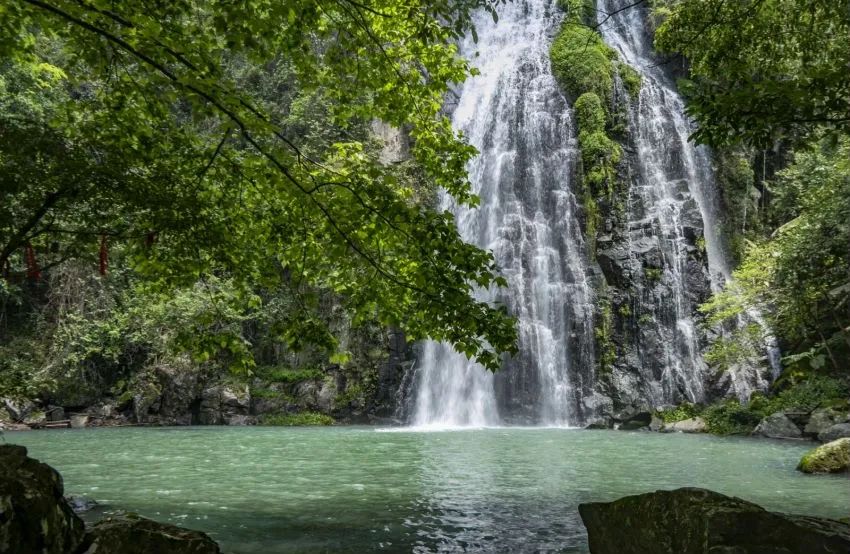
358	489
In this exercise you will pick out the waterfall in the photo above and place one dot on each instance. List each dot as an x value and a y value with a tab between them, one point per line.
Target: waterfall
514	113
672	199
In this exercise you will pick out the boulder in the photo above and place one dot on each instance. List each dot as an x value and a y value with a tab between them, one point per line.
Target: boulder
819	421
34	516
656	424
78	421
692	425
832	457
132	534
778	426
699	521
837	431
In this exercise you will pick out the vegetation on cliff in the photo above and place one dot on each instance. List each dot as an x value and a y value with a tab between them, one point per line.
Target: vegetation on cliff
772	94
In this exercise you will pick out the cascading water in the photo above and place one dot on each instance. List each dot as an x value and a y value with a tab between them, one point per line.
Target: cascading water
673	195
516	116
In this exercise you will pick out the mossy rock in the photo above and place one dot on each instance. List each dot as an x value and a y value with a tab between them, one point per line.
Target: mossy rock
582	62
579	10
832	457
590	114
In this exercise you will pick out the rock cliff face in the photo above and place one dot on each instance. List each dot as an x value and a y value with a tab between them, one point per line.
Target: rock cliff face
698	521
185	393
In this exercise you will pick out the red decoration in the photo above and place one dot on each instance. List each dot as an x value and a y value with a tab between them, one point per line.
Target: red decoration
33	271
104	255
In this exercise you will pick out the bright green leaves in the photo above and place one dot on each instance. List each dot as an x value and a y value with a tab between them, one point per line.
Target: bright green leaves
764	69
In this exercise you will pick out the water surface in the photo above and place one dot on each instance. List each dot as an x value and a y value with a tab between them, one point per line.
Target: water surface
357	489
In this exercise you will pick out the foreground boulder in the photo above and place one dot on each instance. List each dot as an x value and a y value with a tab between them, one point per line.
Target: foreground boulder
699	521
832	457
137	535
34	516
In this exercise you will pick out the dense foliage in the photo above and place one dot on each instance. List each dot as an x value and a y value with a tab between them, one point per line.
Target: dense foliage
771	76
762	70
214	164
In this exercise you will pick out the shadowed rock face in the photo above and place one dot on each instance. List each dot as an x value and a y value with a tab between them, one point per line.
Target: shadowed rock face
138	535
34	516
699	521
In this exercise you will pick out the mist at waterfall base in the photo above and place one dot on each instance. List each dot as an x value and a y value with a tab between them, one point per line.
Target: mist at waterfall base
517	117
355	489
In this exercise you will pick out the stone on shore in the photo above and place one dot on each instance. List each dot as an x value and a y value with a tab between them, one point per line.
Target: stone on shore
699	521
778	426
837	431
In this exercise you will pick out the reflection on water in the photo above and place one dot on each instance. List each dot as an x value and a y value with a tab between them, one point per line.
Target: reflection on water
352	489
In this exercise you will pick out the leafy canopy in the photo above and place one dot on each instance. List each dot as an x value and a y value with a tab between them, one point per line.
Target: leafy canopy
139	124
762	69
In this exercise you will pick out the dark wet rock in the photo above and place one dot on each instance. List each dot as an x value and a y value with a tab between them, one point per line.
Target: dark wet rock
80	504
832	457
34	517
778	426
835	432
637	421
598	424
132	534
55	413
699	521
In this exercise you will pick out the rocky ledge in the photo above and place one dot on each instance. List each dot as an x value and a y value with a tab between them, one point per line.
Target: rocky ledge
699	521
35	517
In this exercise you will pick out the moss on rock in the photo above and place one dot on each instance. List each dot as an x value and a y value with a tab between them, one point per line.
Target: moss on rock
581	62
832	457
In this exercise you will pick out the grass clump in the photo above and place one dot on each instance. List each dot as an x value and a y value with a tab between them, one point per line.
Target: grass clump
297	420
287	375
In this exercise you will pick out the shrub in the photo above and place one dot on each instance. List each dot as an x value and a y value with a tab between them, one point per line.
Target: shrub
299	419
683	411
730	418
280	374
